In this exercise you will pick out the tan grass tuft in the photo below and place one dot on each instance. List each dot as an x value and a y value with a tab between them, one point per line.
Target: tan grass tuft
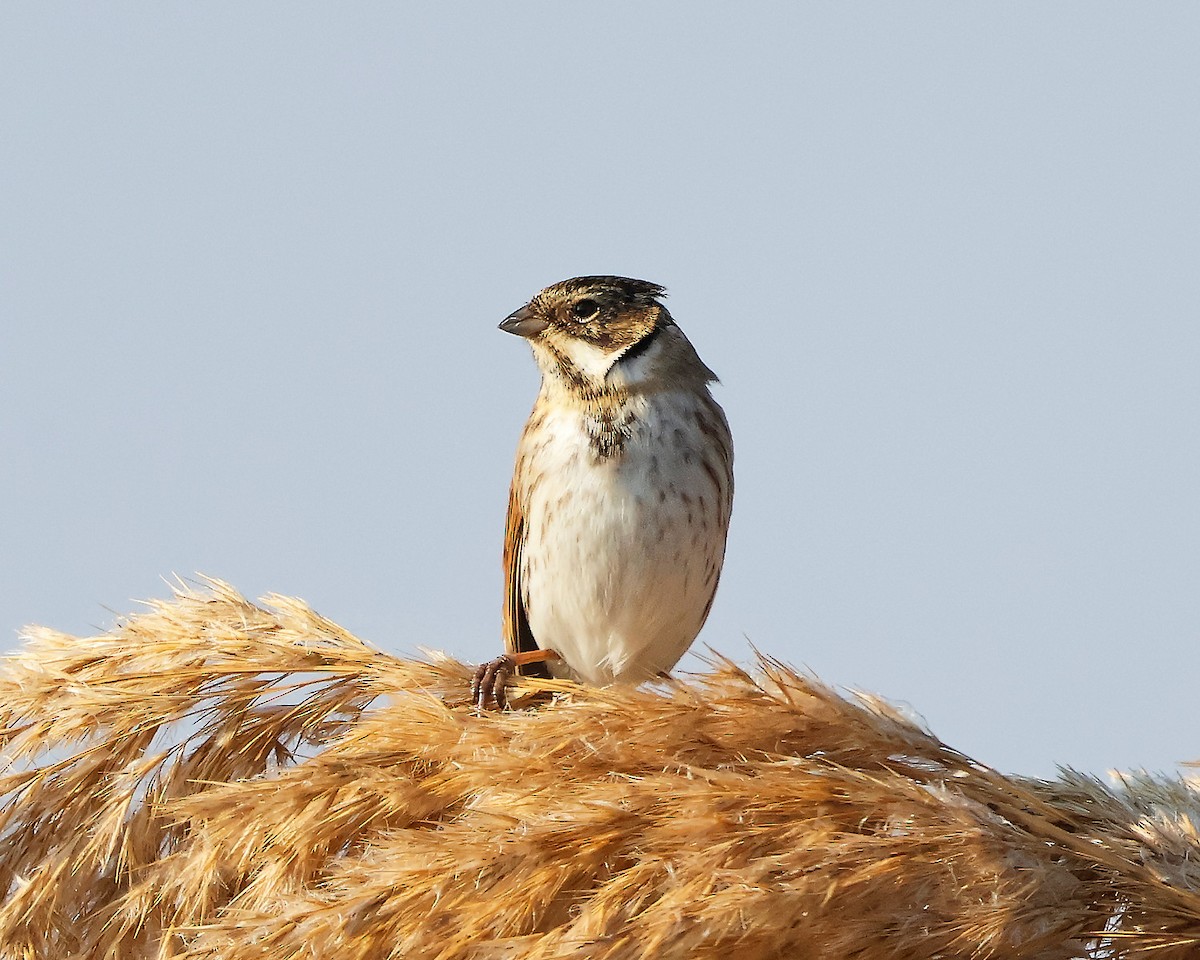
218	779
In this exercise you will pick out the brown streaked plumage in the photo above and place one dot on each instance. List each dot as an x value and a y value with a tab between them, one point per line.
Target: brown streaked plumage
621	496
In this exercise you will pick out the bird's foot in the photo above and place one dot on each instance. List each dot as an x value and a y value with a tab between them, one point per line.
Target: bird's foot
487	686
490	679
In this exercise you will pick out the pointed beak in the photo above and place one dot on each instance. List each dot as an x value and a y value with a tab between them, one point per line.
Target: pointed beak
524	323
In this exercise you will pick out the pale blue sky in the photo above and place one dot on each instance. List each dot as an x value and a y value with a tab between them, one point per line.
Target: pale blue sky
943	256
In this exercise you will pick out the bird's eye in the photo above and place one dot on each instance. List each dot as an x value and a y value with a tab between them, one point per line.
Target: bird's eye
582	309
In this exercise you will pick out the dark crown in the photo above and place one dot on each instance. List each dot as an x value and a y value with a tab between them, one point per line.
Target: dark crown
626	289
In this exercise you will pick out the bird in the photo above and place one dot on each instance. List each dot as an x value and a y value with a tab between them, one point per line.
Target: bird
621	496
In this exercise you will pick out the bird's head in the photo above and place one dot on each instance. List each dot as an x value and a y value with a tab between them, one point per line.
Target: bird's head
603	332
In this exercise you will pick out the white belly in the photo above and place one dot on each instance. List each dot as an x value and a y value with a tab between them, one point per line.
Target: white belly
622	554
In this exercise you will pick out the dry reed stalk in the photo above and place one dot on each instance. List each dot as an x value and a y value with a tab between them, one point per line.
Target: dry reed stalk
215	779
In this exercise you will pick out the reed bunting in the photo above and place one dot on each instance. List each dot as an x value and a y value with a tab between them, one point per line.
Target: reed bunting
621	496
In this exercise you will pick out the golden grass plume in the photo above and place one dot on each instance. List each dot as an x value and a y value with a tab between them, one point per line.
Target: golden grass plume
220	779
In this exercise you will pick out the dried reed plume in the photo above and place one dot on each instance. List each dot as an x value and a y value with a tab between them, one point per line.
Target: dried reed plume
218	779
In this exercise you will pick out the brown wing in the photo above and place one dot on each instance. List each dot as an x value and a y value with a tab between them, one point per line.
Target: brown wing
518	638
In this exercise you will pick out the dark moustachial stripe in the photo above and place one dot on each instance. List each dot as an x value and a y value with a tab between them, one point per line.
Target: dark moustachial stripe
642	345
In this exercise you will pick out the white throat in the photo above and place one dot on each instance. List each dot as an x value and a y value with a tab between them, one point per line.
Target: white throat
593	362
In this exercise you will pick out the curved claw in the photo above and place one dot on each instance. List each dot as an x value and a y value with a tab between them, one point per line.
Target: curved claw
487	685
